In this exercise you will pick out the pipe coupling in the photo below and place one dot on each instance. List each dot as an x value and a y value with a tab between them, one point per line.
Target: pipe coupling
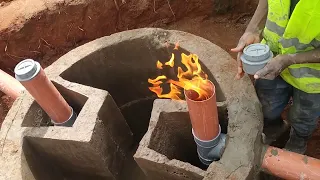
69	122
209	151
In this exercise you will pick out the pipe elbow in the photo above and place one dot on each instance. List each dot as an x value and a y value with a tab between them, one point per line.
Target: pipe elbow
209	151
216	152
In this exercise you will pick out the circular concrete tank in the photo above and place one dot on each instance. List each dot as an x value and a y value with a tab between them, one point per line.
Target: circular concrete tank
121	64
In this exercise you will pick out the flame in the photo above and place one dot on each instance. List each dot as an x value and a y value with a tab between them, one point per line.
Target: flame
171	61
173	94
156	81
193	78
159	65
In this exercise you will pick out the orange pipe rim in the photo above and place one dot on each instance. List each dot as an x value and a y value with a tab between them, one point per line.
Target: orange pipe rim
212	93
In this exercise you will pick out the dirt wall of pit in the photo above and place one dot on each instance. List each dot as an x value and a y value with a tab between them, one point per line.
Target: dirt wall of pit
45	30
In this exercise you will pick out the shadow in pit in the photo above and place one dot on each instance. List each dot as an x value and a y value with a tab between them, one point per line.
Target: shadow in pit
42	167
123	70
172	136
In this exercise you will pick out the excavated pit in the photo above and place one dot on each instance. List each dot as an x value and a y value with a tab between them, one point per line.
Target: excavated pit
48	31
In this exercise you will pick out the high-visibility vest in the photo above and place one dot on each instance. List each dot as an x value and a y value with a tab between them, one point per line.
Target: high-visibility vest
300	33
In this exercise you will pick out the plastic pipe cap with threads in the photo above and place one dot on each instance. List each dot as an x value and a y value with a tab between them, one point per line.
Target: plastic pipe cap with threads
255	57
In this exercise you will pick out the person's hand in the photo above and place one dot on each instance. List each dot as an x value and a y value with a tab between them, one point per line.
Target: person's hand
246	39
272	69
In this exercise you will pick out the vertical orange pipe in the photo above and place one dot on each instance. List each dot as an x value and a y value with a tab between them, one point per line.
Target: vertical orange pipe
34	79
289	165
203	114
9	85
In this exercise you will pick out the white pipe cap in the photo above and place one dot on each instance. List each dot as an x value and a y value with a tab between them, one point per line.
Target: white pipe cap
256	52
26	70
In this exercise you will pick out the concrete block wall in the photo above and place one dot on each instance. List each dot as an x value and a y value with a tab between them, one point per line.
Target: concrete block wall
167	150
92	147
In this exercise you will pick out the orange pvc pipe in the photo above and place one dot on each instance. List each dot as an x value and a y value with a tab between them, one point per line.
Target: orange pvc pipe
9	85
289	165
203	114
43	90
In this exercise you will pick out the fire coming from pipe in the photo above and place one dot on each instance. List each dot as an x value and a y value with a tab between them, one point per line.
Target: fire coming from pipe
192	78
199	93
201	100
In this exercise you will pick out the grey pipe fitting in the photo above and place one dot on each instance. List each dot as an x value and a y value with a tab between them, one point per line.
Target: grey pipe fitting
209	151
69	122
255	57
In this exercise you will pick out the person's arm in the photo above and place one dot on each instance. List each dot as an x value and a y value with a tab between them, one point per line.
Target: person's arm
259	18
312	56
252	33
281	62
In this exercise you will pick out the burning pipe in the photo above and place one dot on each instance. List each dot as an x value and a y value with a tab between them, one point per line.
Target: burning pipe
205	126
9	85
34	79
289	165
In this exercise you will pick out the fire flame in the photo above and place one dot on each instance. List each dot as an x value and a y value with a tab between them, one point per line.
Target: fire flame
192	79
171	61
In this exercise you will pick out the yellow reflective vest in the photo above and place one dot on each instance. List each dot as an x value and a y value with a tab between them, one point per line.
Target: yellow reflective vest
300	33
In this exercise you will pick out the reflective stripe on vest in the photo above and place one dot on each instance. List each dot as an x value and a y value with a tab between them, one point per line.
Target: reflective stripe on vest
287	43
304	72
299	34
275	28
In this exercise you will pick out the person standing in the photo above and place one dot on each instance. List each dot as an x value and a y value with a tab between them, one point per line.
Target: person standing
291	28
